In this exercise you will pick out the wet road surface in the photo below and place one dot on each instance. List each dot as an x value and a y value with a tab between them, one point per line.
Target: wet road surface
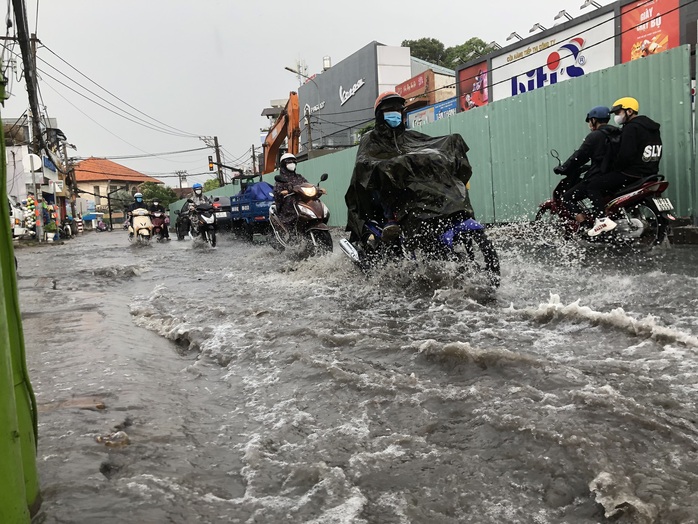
254	387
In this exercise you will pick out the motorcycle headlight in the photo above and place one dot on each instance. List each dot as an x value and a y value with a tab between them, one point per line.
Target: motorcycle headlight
306	211
310	192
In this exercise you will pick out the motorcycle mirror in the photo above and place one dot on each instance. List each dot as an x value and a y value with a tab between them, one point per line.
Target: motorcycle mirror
176	211
324	177
280	178
555	154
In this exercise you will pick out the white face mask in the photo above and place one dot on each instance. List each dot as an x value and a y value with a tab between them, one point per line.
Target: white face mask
619	119
291	166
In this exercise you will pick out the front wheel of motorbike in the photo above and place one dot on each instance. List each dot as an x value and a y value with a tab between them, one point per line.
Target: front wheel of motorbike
212	238
322	240
489	258
144	239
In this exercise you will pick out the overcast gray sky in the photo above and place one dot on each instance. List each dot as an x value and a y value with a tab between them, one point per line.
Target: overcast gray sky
209	67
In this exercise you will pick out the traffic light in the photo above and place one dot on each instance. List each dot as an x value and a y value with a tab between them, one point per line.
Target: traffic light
210	163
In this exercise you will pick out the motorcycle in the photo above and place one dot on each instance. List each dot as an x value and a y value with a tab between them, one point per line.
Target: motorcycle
641	213
203	222
310	225
66	230
101	226
159	224
455	238
142	228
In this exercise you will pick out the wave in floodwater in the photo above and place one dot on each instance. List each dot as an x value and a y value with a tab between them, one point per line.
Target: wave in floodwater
305	391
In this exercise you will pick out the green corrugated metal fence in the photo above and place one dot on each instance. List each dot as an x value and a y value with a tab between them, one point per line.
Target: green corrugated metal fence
510	139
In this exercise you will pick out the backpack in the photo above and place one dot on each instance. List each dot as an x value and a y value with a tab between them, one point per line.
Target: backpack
612	135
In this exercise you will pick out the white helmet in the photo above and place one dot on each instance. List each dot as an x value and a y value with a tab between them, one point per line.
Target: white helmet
287	156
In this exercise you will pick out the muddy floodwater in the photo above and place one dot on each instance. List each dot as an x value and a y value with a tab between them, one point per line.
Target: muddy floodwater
182	384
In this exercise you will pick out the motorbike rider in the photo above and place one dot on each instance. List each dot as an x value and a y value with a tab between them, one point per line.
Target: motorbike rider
599	148
157	207
138	203
387	172
638	156
284	206
197	195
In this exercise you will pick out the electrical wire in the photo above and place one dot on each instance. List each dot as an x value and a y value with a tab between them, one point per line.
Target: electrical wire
125	157
196	135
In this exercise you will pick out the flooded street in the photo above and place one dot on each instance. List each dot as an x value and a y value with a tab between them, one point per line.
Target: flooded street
257	388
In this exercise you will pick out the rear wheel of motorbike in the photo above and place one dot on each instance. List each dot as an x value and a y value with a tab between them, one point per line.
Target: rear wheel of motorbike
323	241
487	255
180	232
654	224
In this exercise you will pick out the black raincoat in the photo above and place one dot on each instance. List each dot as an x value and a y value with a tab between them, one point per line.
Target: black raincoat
415	176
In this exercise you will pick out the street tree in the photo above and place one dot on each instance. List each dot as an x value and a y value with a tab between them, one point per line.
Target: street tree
154	191
465	52
429	49
434	51
211	184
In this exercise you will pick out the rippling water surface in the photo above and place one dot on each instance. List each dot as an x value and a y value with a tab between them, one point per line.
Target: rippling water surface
254	387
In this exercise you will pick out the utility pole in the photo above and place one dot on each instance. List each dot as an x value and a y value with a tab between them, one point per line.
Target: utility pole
221	180
70	181
182	175
310	137
254	161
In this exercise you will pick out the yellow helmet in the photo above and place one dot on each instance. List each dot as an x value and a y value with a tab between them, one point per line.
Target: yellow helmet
625	103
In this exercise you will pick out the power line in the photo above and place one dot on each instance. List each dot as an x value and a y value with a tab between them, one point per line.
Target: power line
119	99
125	157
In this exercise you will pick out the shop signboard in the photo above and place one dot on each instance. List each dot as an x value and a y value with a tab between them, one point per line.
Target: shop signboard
573	52
432	113
417	86
648	27
472	87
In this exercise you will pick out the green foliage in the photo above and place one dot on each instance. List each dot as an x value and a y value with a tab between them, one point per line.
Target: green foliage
153	191
429	49
50	227
467	51
121	200
368	127
211	184
432	50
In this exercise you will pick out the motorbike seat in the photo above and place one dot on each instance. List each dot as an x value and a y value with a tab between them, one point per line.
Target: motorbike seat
639	184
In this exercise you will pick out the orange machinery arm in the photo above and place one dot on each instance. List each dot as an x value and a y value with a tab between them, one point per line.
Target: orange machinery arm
286	126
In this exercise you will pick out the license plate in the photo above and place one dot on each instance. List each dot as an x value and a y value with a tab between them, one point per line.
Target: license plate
663	204
221	214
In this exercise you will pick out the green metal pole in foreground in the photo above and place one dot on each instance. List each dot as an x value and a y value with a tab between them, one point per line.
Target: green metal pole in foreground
19	483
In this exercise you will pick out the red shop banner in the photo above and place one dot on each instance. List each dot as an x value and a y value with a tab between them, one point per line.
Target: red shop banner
648	28
472	87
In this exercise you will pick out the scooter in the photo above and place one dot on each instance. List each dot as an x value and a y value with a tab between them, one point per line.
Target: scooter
455	238
159	225
312	216
101	226
142	229
641	213
203	222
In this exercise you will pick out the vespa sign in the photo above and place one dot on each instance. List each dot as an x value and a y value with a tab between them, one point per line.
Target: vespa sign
571	53
345	95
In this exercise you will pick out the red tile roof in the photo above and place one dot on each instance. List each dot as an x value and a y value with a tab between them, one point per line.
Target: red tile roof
97	169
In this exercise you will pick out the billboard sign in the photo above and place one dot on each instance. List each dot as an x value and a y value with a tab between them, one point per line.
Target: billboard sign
417	85
571	53
648	27
472	87
432	113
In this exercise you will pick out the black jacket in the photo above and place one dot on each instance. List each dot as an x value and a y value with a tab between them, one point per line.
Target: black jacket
284	206
640	148
598	146
415	176
159	207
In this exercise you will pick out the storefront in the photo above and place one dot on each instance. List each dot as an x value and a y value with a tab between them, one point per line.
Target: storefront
614	34
337	103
